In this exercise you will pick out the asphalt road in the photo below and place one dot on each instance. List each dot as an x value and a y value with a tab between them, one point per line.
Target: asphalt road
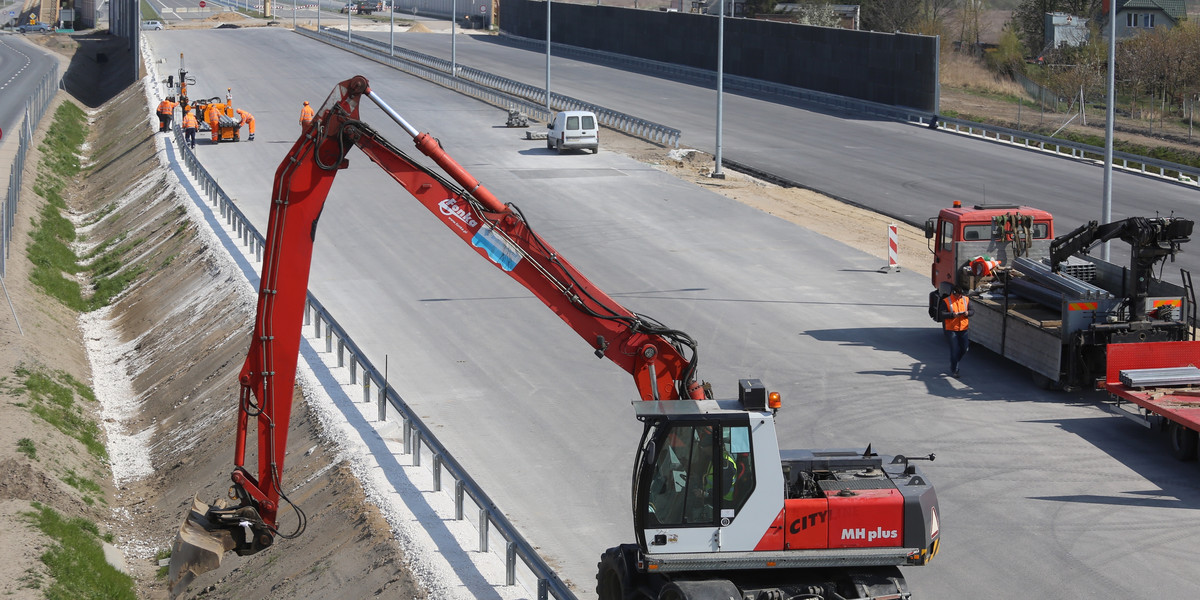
22	67
902	170
1043	495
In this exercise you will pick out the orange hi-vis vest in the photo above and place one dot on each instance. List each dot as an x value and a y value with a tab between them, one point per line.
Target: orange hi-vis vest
306	114
166	107
189	120
956	306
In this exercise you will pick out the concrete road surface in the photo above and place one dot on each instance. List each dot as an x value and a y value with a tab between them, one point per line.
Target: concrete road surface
1043	494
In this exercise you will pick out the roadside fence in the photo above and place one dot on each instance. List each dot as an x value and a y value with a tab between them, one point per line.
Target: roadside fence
1175	172
417	437
35	108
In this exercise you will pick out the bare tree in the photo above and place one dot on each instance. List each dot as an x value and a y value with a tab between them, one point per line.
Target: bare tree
817	13
890	15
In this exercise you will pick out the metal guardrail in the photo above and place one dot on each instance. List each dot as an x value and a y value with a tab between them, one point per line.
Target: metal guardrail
35	108
1121	160
416	433
491	88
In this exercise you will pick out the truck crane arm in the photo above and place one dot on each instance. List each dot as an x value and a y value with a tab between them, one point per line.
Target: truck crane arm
1150	239
662	360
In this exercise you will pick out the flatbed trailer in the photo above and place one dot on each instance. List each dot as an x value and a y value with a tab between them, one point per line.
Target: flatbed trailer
1175	408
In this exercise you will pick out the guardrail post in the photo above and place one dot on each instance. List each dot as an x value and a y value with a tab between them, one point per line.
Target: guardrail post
317	326
459	488
416	447
437	472
328	340
307	314
543	591
510	564
408	427
341	355
382	404
483	529
366	387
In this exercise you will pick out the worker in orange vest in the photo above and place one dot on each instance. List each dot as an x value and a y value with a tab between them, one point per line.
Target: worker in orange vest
306	115
954	313
212	115
247	119
190	125
166	110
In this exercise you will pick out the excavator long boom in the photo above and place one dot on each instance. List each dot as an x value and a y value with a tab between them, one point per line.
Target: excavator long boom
661	360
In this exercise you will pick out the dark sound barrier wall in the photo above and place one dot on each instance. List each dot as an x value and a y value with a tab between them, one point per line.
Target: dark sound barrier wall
889	68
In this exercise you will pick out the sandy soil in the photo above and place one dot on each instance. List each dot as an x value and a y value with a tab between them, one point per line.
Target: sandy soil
164	363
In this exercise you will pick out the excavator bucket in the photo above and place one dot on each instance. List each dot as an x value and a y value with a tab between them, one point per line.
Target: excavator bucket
198	547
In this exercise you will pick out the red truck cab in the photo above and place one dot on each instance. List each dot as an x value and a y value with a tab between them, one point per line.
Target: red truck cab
998	231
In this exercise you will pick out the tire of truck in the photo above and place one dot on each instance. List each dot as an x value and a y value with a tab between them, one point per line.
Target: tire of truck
613	579
714	589
1183	441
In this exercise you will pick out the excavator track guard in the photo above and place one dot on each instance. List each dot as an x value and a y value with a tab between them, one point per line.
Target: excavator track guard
207	534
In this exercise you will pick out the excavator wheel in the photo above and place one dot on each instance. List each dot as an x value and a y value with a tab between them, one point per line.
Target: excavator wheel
714	589
613	578
883	582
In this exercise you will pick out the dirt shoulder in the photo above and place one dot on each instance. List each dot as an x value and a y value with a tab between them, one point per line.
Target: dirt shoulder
162	365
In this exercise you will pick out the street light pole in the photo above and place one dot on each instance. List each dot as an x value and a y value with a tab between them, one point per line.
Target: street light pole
548	112
453	48
717	172
1106	204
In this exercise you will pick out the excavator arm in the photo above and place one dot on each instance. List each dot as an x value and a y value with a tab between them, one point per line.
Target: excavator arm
661	360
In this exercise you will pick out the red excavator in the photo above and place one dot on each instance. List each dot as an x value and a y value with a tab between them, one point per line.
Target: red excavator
719	510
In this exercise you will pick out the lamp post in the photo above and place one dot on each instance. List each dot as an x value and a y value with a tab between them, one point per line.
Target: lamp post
548	111
453	48
717	172
1106	204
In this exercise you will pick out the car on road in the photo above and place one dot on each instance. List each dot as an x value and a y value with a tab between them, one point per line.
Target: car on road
573	130
152	25
26	28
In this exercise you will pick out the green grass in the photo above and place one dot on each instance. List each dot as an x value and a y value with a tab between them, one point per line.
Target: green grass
148	12
82	483
55	264
25	446
52	398
164	570
77	563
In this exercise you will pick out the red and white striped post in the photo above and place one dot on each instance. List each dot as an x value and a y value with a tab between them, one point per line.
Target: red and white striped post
893	249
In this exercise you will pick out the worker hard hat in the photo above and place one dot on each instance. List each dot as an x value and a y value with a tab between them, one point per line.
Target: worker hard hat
306	102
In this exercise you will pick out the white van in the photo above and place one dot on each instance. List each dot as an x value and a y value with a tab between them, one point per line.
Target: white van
573	130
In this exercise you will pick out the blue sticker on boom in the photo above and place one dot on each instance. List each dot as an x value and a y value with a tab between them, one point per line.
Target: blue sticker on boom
500	250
